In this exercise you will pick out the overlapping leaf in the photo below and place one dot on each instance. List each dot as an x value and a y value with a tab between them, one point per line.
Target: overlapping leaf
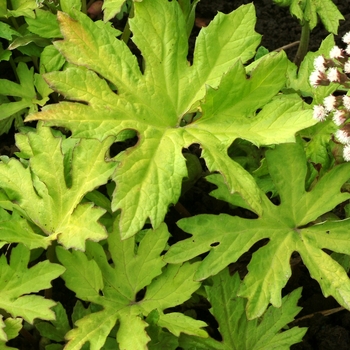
115	288
309	9
16	281
9	329
237	331
25	94
288	226
154	101
49	190
20	8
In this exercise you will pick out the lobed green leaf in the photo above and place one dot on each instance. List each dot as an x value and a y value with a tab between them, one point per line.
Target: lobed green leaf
41	194
289	227
115	287
16	281
119	96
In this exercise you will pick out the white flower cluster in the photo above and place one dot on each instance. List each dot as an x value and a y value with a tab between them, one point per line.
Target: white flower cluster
335	69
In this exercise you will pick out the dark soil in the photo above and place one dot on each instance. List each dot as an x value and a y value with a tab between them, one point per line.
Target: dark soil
329	325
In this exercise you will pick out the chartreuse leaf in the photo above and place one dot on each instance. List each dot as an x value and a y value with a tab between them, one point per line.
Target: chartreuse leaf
155	101
49	190
115	286
13	228
26	95
58	327
111	8
22	8
189	10
16	280
9	329
69	6
308	10
50	60
237	331
44	24
6	31
288	227
160	339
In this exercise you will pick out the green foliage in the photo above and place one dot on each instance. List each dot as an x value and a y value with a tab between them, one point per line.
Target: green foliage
16	284
48	191
26	92
73	206
237	331
310	10
115	288
17	281
154	103
288	227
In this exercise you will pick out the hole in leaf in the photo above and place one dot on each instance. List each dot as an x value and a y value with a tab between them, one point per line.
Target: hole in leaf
76	101
215	244
247	155
126	139
140	295
241	264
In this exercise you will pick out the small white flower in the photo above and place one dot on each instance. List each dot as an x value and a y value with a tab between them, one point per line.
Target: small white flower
346	153
347	50
333	74
315	78
319	113
336	52
347	67
319	63
346	38
342	136
329	103
346	102
339	117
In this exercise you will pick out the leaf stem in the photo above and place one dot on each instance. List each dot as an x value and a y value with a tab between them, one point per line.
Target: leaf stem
303	44
126	32
288	46
14	68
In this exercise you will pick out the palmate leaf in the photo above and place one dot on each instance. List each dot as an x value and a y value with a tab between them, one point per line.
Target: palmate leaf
16	281
48	192
154	102
237	331
111	8
21	8
25	95
9	329
308	10
288	226
58	327
115	288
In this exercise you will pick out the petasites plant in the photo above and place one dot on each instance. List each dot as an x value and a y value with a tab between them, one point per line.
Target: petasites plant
116	95
115	286
17	285
48	189
237	331
289	226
